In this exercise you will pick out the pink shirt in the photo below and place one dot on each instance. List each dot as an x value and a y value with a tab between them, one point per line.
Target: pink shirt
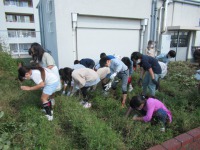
152	105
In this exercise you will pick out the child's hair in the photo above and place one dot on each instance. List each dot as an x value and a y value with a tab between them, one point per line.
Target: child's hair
136	56
172	53
24	69
102	55
136	101
38	50
127	62
66	74
76	62
103	61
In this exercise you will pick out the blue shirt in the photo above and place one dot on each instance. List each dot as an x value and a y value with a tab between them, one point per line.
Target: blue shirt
87	62
163	58
148	62
117	66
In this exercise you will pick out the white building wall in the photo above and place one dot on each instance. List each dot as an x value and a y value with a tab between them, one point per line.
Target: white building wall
114	8
181	14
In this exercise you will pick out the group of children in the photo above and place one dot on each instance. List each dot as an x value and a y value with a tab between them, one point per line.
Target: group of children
85	75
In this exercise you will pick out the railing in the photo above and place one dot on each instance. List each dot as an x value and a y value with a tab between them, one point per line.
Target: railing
21	34
18	3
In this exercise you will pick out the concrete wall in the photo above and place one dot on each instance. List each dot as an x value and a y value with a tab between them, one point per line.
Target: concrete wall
112	8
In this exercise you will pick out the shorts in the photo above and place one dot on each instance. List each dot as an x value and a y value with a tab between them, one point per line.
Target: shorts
50	89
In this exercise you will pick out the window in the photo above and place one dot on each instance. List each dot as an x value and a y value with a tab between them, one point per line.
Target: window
179	38
19	18
18	3
22	47
21	33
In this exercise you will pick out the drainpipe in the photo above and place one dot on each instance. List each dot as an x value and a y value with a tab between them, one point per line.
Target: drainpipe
166	3
153	17
74	26
144	22
159	28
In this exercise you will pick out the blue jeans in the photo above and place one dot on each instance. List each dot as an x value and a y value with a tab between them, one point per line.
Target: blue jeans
147	83
161	116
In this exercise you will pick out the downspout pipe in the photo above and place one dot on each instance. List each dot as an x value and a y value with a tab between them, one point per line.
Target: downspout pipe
165	15
144	22
188	2
159	28
155	21
154	3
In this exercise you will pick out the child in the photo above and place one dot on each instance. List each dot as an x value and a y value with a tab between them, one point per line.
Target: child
129	63
150	51
150	69
83	78
119	69
165	58
45	60
154	109
43	78
87	62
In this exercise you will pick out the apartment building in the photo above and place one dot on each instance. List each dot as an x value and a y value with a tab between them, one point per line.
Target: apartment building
19	26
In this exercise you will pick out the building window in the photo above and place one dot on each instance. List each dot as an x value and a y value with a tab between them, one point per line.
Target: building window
21	33
49	6
19	18
22	47
18	3
179	38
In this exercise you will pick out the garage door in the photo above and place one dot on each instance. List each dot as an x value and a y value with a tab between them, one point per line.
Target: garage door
109	35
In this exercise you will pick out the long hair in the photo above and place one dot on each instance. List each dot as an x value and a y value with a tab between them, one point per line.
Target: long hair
66	74
24	69
38	51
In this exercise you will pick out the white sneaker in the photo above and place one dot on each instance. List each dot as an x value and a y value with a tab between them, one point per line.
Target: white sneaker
130	88
50	118
82	102
162	129
87	105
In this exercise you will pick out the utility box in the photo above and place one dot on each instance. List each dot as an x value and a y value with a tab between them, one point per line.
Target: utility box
165	43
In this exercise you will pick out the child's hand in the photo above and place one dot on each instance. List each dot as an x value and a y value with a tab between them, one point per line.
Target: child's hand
26	88
135	117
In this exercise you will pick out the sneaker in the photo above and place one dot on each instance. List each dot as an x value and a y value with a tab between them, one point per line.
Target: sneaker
43	110
87	105
82	102
50	118
162	129
130	88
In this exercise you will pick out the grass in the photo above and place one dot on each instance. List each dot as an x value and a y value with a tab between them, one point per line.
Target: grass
103	126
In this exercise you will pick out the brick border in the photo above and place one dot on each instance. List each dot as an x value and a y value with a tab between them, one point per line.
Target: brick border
186	141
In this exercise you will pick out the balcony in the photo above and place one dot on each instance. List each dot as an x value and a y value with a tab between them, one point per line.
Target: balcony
18	3
18	7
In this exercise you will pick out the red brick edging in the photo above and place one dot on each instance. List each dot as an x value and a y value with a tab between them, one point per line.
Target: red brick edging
186	141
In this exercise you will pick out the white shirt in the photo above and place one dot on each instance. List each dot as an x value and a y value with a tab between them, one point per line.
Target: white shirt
50	77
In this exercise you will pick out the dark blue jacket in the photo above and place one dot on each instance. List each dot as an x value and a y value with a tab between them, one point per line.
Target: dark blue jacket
87	62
